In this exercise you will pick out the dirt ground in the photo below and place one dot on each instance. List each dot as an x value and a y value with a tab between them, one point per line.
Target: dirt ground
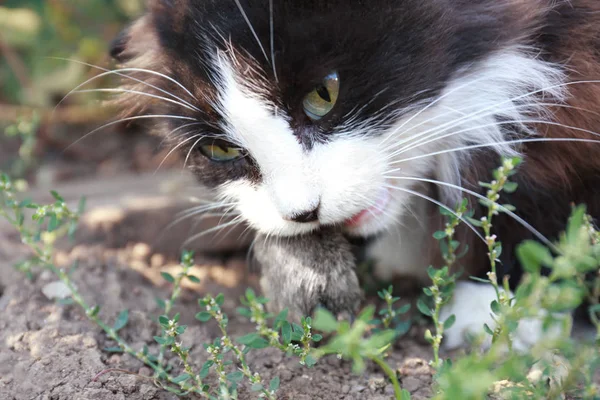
51	351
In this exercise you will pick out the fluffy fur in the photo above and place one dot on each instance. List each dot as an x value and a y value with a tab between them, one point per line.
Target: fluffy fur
433	90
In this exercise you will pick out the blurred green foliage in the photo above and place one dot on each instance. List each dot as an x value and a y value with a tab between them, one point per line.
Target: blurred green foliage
34	31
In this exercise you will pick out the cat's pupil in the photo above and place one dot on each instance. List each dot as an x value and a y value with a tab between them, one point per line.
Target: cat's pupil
324	93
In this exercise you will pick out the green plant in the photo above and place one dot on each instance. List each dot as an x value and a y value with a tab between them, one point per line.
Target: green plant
24	130
353	342
551	299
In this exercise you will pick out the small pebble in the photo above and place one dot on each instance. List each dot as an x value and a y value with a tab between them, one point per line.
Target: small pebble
114	359
411	384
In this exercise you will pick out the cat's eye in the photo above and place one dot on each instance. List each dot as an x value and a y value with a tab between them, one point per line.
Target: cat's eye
322	99
220	152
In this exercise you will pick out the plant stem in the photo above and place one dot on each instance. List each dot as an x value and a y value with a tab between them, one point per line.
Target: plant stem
391	375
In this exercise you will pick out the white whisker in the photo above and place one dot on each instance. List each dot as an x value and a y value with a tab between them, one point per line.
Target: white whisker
484	145
541	122
520	220
252	29
118	72
272	27
445	207
235	221
513	99
106	90
125	120
175	148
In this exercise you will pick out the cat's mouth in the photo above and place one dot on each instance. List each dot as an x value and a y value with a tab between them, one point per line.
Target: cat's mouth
371	212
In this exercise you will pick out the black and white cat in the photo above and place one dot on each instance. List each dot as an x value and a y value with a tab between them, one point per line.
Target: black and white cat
323	120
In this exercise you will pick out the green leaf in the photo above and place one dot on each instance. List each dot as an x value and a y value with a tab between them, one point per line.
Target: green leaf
254	341
449	322
324	321
423	308
282	316
94	311
244	312
160	340
113	349
274	384
310	361
57	196
317	338
286	332
220	299
533	256
402	328
160	302
235	376
66	301
439	235
206	369
495	307
81	205
403	310
488	330
167	277
405	395
181	378
121	320
510	187
163	320
203	316
256	387
53	224
193	278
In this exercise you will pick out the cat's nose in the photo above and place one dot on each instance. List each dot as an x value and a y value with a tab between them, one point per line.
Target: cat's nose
306	216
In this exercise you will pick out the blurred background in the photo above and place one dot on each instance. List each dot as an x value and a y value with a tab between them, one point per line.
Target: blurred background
45	46
68	143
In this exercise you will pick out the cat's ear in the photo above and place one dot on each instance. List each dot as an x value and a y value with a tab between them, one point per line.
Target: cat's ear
137	39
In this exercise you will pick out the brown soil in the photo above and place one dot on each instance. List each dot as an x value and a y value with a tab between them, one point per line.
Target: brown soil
51	351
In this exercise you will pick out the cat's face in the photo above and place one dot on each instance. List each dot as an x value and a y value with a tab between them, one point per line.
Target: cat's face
318	113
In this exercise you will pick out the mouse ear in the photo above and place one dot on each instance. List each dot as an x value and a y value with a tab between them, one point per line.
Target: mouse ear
137	39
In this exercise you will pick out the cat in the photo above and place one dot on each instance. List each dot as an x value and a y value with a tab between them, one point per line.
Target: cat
321	121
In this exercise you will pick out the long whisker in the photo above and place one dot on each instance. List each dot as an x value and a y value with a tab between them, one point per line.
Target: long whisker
428	106
484	145
470	117
118	72
538	91
125	120
168	135
541	122
175	148
520	220
192	213
445	207
189	153
457	122
107	90
236	221
272	27
252	29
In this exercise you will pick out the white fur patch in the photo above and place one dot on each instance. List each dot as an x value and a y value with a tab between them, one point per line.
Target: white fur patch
471	306
350	173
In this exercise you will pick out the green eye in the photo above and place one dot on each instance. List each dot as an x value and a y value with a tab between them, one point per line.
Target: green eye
322	99
220	152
